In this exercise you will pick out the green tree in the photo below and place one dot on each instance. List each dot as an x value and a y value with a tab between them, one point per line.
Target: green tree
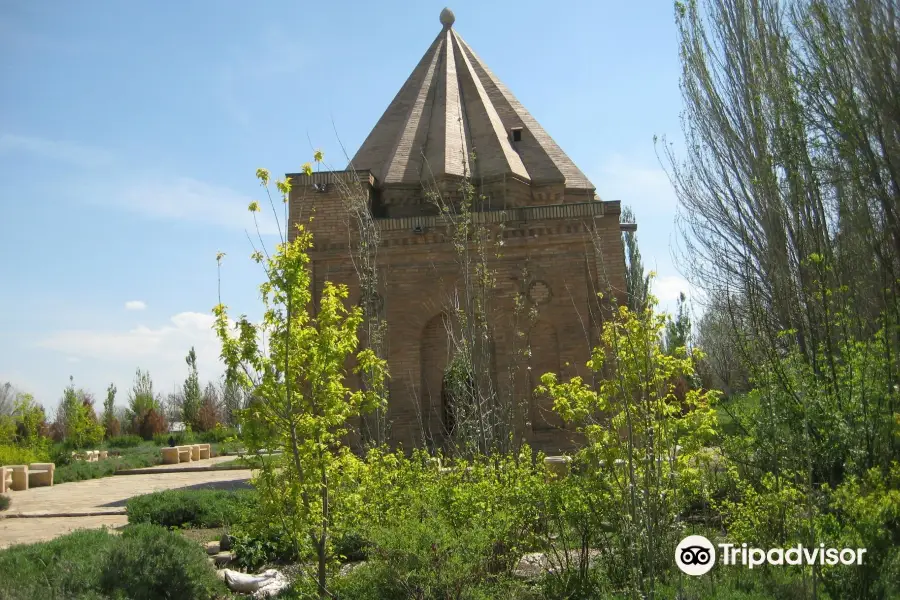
720	335
31	425
637	281
191	393
789	198
76	421
141	398
232	396
643	442
8	395
678	330
110	422
298	382
22	421
145	410
791	222
210	412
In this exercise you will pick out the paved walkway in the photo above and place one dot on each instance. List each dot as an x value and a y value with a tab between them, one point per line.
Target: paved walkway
28	531
99	501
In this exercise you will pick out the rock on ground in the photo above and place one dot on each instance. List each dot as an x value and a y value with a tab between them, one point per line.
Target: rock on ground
265	585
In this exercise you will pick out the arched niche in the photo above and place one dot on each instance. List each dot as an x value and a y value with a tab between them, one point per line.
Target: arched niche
435	352
544	344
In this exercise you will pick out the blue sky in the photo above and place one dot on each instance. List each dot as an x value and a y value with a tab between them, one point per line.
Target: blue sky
130	133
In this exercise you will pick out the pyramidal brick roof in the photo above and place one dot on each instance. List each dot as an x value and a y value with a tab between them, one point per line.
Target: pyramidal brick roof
451	106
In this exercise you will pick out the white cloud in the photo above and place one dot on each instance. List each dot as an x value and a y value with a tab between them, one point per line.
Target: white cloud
171	198
142	342
186	199
135	305
55	150
106	355
637	183
667	288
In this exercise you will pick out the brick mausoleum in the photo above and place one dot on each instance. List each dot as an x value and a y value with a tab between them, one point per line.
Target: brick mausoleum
561	243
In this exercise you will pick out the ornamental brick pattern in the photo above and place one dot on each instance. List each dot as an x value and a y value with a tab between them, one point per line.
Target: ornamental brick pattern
561	244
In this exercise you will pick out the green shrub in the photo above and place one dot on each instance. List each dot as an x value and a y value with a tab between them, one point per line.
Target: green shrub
232	446
144	562
14	455
189	508
79	470
218	434
181	438
434	534
125	441
67	567
431	555
259	538
865	513
374	581
351	546
61	454
4	502
150	562
257	541
733	584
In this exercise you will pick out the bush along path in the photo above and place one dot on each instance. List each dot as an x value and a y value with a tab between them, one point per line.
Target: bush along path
127	454
145	562
81	470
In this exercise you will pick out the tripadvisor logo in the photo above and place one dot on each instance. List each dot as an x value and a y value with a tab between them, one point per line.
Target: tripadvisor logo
696	555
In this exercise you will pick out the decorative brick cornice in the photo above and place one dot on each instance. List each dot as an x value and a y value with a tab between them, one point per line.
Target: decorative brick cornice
511	215
333	177
520	224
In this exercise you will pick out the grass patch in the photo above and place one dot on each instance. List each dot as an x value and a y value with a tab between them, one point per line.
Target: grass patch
203	535
729	408
4	502
190	508
144	562
245	462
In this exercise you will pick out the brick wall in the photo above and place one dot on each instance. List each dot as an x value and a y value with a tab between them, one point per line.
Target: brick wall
572	259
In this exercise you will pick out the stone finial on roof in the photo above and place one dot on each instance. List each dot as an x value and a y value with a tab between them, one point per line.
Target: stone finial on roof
447	17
